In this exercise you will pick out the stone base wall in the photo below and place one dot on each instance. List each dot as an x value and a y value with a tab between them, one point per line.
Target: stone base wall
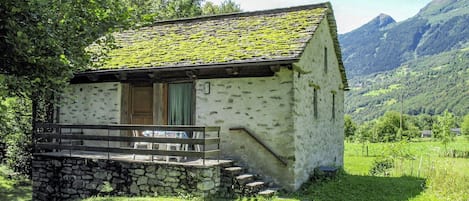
65	178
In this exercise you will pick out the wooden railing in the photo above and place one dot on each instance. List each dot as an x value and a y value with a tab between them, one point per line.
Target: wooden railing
259	141
58	137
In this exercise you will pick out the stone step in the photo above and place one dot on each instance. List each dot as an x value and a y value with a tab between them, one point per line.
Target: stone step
253	188
234	170
227	163
244	179
267	193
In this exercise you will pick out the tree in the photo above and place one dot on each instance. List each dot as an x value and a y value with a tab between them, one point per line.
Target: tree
210	9
465	126
349	127
442	128
145	12
226	6
42	43
388	128
229	6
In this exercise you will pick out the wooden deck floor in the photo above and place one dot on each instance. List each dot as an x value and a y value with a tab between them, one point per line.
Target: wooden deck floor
130	158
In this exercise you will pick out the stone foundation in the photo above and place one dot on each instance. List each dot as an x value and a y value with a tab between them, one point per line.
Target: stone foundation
68	178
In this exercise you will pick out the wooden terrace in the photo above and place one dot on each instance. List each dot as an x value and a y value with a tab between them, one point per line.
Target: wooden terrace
200	145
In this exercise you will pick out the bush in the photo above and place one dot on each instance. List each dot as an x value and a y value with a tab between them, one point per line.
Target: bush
382	167
16	132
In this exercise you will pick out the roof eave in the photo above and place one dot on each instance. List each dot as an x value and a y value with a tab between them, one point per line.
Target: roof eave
335	37
270	62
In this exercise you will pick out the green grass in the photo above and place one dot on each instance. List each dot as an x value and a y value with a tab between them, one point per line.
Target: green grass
446	178
426	177
135	199
14	190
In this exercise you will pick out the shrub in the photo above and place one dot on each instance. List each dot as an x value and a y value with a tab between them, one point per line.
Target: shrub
16	132
382	167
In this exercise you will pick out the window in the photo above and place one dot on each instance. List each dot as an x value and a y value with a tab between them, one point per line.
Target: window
315	103
325	60
333	106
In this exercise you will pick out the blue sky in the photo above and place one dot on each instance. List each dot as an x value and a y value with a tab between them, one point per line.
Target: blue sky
350	14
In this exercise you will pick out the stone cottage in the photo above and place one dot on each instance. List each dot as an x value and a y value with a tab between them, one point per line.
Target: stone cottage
276	74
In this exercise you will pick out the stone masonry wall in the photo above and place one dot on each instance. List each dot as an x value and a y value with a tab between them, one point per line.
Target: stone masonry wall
98	103
318	141
66	178
263	105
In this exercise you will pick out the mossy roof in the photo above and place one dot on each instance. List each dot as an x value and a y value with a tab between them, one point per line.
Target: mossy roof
232	38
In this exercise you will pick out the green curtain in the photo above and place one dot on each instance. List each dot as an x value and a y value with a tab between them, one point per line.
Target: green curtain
180	104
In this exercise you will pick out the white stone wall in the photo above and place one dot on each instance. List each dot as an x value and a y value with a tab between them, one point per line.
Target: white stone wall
317	141
262	105
98	103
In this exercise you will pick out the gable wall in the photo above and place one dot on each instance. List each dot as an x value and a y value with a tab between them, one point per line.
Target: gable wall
317	141
263	106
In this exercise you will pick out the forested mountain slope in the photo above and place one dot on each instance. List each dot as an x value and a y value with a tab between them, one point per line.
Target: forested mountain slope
428	85
383	44
424	59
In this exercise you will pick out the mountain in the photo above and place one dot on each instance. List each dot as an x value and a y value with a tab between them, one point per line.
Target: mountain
382	44
427	85
423	60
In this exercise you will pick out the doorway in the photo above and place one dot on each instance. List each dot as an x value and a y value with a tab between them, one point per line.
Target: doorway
141	104
159	103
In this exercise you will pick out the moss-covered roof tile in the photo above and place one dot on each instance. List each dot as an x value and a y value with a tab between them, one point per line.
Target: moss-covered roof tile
242	37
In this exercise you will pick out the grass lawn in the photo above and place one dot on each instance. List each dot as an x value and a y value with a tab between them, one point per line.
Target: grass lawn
14	190
426	176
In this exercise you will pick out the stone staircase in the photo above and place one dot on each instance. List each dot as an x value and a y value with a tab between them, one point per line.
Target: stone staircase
236	182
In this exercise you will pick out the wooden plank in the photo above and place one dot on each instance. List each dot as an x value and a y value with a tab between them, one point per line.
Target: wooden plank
159	104
125	103
212	153
130	139
212	129
187	128
210	141
126	150
63	133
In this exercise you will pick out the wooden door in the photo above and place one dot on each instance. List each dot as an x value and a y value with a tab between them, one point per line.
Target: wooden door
141	104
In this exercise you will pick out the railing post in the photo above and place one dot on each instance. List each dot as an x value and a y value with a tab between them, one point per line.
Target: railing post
219	141
151	146
108	143
203	148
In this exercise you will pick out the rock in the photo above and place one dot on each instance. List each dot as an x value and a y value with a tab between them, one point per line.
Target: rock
134	189
207	173
206	185
142	180
171	179
139	172
69	191
86	177
100	175
78	184
150	175
151	169
49	189
174	173
144	188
